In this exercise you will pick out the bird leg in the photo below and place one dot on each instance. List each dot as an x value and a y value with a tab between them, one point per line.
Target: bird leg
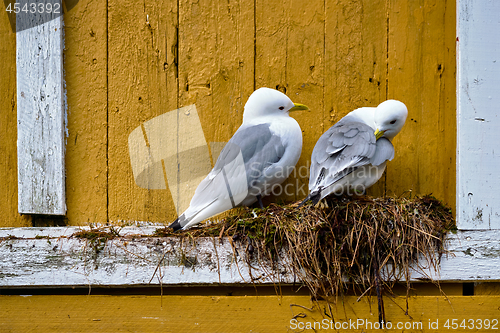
259	200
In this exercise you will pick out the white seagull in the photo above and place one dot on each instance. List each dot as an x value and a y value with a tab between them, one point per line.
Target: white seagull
261	154
352	155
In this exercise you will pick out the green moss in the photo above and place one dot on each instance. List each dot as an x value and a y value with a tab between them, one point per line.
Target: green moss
97	237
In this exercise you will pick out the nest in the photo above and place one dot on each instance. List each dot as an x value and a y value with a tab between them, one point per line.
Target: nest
364	243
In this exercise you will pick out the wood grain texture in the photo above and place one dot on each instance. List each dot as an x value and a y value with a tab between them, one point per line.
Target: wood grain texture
356	61
215	71
142	84
41	257
8	129
478	118
421	73
85	64
40	117
289	56
333	56
237	313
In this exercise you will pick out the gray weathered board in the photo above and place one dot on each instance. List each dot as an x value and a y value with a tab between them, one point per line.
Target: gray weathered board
478	137
50	257
40	114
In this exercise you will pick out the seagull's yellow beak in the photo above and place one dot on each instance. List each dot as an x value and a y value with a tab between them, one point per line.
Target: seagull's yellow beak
298	107
378	134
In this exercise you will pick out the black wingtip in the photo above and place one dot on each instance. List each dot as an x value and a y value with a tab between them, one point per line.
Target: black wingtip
314	197
175	225
304	201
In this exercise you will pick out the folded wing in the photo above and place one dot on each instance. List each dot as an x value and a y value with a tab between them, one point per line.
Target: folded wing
339	151
239	175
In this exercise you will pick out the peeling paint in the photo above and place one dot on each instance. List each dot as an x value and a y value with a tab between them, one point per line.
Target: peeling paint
135	261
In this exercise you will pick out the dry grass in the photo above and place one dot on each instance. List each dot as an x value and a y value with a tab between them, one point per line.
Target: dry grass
363	242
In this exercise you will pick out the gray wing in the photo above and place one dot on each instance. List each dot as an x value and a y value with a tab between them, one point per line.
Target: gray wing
259	149
346	146
383	152
254	146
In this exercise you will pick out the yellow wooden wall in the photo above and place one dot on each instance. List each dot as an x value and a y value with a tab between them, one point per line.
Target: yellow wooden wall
247	310
8	127
129	61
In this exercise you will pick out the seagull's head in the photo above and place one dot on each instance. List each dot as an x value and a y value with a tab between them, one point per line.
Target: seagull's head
269	102
390	116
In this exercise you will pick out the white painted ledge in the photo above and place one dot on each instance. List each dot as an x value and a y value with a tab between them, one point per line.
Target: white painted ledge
27	259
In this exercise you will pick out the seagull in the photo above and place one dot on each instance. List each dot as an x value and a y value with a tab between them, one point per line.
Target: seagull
352	155
260	155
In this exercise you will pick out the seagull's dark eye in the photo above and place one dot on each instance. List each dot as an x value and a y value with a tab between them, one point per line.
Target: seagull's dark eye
281	107
393	122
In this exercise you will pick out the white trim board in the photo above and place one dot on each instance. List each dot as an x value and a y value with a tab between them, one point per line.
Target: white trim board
30	260
40	116
478	114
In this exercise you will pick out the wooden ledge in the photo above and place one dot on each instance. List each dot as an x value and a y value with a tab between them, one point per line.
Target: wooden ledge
52	257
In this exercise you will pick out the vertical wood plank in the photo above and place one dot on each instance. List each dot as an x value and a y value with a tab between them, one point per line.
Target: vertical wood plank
8	129
478	117
290	55
356	61
356	37
233	81
142	84
40	117
421	73
272	25
216	64
373	81
85	64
